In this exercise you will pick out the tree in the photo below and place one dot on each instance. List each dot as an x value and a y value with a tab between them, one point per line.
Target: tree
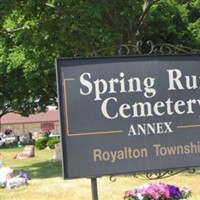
194	20
20	78
15	92
34	33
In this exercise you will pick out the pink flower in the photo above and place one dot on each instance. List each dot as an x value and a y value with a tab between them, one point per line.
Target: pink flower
129	193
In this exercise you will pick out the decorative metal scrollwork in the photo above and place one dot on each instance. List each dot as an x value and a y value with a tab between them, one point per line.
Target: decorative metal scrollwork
147	48
164	174
158	174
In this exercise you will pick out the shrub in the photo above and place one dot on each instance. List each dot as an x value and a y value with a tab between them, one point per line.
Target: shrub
30	142
41	143
51	143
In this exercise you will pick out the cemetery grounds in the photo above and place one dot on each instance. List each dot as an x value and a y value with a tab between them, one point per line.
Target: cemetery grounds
46	182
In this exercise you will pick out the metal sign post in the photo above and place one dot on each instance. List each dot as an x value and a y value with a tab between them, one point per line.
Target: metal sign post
94	188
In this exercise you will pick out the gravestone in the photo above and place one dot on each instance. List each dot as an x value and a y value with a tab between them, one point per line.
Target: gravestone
57	155
29	151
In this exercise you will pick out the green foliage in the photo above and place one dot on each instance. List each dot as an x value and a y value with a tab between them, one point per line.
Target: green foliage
51	143
31	142
168	24
41	143
34	33
9	145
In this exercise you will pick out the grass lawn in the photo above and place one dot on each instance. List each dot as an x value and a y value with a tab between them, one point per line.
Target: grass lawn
46	182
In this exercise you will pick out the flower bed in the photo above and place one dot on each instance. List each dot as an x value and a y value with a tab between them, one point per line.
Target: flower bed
158	191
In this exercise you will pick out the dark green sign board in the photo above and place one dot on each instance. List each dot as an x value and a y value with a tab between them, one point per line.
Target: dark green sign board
129	114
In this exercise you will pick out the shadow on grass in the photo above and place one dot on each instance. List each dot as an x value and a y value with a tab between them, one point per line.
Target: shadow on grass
42	170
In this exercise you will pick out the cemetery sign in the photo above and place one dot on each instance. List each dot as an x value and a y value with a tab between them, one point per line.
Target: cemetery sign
129	114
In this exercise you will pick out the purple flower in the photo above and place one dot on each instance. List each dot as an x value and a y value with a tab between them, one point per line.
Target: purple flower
174	192
23	175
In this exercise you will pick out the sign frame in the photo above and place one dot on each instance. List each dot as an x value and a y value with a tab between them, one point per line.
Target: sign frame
70	66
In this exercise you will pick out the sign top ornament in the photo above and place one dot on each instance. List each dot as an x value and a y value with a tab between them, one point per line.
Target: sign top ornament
148	48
